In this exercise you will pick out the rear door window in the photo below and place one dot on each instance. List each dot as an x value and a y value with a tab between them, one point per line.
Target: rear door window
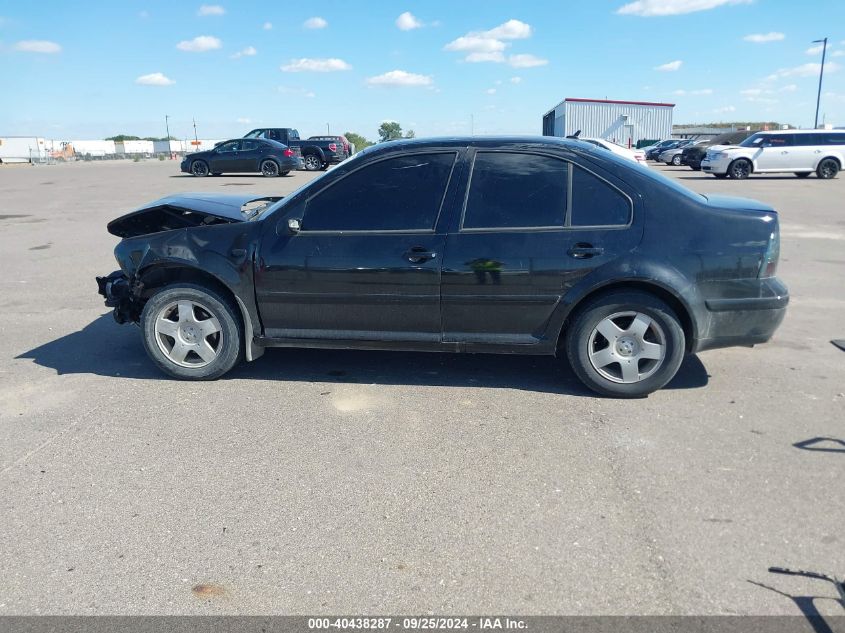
513	190
596	202
403	193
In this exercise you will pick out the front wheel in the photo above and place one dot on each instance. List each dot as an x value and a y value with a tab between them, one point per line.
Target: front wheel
191	332
269	169
312	162
625	344
199	168
740	169
827	169
676	161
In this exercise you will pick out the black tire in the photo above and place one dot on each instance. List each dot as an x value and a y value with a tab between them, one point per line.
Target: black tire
285	173
199	168
828	168
676	160
312	162
721	176
582	337
802	174
324	166
740	169
205	304
695	168
269	168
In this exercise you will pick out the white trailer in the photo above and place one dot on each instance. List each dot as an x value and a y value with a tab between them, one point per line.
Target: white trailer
94	149
134	148
172	147
22	149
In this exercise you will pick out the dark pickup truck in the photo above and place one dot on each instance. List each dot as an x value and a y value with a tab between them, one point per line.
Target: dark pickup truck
316	154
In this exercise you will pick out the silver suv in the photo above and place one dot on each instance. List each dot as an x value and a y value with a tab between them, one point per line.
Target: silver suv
801	152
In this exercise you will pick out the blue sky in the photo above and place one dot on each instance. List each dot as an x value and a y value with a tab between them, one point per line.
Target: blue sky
72	70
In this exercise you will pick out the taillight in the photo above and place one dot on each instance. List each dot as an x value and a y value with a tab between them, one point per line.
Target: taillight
288	152
332	147
769	265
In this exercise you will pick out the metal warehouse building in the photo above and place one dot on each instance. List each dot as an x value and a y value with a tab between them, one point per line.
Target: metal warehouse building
623	122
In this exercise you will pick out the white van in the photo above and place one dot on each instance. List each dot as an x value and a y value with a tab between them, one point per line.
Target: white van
801	152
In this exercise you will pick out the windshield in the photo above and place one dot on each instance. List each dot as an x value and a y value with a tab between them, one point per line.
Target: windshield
753	141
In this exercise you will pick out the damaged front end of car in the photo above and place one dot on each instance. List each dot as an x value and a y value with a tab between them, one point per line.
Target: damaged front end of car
169	238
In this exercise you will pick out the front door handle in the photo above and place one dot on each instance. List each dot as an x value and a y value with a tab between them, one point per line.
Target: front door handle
419	254
583	250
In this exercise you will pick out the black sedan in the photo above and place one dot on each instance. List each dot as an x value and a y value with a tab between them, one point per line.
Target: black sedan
501	245
241	155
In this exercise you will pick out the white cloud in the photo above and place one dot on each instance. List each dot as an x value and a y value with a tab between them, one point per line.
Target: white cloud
211	9
315	23
814	50
488	46
400	78
762	38
38	46
408	21
650	8
788	88
249	51
515	80
495	56
490	91
476	43
243	120
305	64
768	100
510	30
267	26
729	108
670	66
525	60
804	70
154	79
200	44
838	54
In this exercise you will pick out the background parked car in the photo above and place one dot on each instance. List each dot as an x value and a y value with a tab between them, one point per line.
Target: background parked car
316	154
652	152
694	154
636	155
674	156
801	152
347	146
243	156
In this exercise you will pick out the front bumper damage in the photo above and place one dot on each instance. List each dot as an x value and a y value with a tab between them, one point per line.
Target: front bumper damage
120	294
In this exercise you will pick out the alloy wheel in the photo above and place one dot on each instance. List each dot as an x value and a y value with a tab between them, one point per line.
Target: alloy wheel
312	163
269	168
199	168
627	347
188	333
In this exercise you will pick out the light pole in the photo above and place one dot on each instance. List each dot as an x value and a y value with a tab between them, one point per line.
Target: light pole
167	128
821	74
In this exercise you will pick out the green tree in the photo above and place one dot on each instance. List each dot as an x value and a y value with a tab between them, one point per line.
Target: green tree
410	134
389	131
357	140
123	137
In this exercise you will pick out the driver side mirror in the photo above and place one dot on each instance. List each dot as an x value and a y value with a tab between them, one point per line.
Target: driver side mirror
294	225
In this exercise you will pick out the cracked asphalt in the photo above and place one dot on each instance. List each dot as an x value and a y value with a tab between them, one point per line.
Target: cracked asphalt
314	481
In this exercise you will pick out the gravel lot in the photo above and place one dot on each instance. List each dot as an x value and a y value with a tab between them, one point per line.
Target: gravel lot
314	482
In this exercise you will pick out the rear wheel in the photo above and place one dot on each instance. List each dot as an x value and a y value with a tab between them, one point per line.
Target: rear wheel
625	344
802	174
191	332
269	169
312	162
827	169
199	168
740	169
676	160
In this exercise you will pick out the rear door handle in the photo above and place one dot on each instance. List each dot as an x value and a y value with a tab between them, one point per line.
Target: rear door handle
582	250
419	254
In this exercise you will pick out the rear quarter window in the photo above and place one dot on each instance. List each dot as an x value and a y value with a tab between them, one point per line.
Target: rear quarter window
596	202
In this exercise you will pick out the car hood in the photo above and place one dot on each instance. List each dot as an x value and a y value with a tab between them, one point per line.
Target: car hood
188	210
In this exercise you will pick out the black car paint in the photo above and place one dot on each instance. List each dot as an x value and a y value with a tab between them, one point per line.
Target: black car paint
346	290
243	160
